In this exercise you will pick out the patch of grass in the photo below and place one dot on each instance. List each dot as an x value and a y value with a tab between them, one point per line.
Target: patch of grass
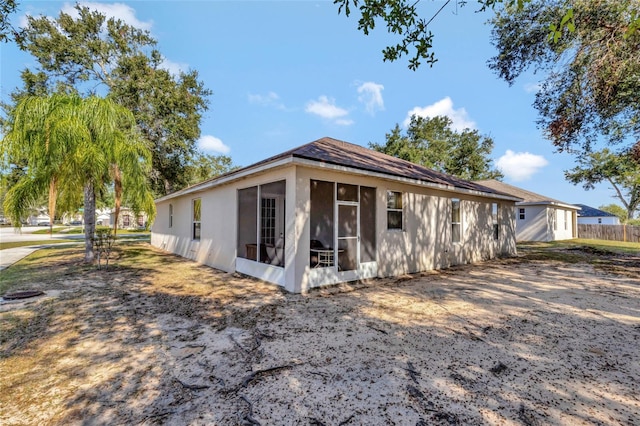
43	266
594	246
133	231
56	229
14	244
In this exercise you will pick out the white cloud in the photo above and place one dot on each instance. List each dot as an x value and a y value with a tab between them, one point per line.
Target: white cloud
520	166
327	108
120	11
174	68
271	99
459	118
371	96
344	122
211	143
532	87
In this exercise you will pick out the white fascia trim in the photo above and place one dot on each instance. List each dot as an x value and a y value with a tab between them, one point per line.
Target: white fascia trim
416	182
548	203
227	179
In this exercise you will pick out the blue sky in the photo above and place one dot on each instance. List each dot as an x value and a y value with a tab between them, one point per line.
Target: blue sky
284	73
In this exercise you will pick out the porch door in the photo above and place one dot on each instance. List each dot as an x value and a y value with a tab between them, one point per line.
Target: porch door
348	236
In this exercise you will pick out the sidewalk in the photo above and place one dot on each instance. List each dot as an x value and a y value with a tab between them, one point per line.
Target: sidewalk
10	256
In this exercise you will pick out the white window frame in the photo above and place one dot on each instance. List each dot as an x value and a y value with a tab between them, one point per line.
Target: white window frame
566	220
196	221
268	217
399	196
495	212
458	223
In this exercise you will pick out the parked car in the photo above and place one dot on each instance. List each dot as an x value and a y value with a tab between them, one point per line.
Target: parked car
75	222
44	224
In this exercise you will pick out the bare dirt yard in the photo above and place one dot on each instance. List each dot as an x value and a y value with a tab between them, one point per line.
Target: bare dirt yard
156	339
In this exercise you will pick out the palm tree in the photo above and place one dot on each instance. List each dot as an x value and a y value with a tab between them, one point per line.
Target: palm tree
38	136
88	138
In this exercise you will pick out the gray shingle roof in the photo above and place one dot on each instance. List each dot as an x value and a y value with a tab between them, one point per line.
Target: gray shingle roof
527	196
587	211
340	153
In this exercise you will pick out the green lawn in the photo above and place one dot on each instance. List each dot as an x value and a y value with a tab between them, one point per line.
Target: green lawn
603	245
14	244
79	230
56	230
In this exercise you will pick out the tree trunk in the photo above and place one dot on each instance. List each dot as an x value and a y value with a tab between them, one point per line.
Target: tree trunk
89	221
117	186
53	195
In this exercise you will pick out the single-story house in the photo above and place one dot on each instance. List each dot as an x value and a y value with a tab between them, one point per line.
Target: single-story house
42	218
538	217
330	212
127	219
592	216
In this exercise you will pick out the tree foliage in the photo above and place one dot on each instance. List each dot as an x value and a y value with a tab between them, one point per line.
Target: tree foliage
7	8
590	66
619	170
91	53
206	166
71	145
409	21
617	210
432	142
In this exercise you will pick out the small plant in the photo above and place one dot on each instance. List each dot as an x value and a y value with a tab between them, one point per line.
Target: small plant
103	241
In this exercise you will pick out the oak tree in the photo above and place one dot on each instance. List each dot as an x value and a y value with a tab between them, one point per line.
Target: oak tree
431	142
619	170
590	67
92	54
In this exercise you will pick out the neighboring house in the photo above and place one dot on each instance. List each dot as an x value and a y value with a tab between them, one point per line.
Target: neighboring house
127	219
592	216
539	218
42	218
330	212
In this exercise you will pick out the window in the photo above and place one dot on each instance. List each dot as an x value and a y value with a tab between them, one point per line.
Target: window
566	220
599	220
170	215
197	214
268	220
554	219
494	215
521	213
126	221
456	222
394	210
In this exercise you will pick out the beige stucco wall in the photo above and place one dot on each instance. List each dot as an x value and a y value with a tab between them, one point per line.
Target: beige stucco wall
217	246
423	244
538	224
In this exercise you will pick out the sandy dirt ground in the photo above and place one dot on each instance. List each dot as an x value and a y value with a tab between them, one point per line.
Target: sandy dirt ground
512	341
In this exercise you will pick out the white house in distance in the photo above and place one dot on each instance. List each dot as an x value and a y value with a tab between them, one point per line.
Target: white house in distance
592	216
329	212
539	218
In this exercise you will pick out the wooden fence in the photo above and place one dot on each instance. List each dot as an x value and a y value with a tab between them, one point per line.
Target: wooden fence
610	232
